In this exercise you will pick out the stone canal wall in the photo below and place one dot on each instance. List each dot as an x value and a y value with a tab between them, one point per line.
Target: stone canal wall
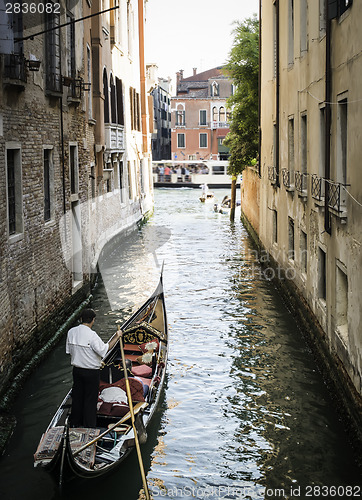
335	368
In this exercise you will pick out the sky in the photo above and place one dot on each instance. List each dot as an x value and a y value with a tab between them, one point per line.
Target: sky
187	34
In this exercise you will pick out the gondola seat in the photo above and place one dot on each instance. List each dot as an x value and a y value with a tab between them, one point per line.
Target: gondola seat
114	403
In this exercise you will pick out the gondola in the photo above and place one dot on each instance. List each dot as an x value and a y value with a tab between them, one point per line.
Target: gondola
90	452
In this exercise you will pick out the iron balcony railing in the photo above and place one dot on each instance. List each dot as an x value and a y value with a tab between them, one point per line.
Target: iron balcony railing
15	67
317	187
336	196
218	124
272	174
300	180
286	177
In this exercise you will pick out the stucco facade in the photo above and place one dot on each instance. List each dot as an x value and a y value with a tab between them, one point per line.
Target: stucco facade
310	190
200	118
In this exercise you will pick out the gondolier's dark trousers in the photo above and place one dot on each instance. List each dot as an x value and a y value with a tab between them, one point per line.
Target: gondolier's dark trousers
84	397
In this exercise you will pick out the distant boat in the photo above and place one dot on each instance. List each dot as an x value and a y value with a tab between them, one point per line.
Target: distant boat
210	172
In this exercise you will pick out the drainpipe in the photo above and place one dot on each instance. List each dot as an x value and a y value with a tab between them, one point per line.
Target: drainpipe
141	30
328	93
277	104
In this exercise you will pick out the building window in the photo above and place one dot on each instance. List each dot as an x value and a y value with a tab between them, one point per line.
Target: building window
322	281
113	101
121	180
341	299
203	117
275	39
275	226
106	96
181	140
291	247
222	114
215	89
303	252
135	109
52	54
14	191
215	114
304	144
303	26
120	110
342	130
291	158
93	180
89	77
180	117
275	146
291	32
322	17
74	169
70	49
203	140
48	184
322	141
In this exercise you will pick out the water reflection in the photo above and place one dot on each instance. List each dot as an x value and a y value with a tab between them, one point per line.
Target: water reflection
245	412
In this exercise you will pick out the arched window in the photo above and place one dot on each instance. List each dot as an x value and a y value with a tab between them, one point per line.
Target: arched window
214	89
106	96
222	114
215	114
113	101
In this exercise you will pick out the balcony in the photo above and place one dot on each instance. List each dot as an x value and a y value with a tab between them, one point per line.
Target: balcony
114	135
318	188
15	71
300	180
287	178
336	197
272	174
215	125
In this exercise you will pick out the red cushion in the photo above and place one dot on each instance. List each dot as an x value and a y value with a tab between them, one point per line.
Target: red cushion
142	371
135	386
114	409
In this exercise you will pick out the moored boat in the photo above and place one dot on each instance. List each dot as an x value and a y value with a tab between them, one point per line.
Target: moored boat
91	452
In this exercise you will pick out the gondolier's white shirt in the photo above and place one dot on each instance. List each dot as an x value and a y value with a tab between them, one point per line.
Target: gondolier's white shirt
86	349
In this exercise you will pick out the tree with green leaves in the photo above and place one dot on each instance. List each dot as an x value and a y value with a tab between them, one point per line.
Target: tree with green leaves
243	68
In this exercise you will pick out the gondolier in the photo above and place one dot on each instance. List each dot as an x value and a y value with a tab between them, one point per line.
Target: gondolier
120	423
86	351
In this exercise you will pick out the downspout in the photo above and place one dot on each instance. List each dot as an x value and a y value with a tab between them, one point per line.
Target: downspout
141	30
277	99
328	93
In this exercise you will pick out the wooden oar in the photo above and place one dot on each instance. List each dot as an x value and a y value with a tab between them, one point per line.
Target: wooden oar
136	409
130	404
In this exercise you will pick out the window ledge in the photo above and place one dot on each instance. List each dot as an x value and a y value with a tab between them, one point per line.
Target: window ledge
341	215
14	238
77	285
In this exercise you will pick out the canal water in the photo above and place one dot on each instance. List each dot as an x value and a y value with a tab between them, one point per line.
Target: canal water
245	412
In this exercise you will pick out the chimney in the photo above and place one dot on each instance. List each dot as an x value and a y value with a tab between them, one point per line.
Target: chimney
195	71
181	74
177	79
